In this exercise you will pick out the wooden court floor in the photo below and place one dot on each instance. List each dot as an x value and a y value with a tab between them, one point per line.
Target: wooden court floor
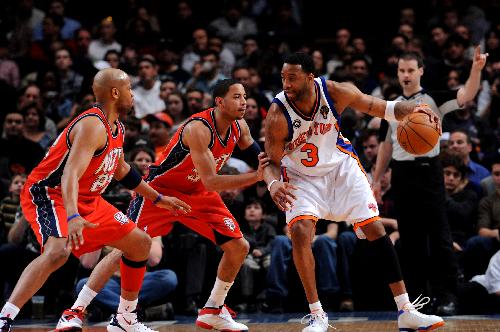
455	325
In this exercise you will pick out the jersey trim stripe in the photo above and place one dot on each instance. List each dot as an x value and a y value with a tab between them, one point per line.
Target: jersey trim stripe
353	154
222	141
135	208
174	158
365	222
314	109
287	116
303	217
329	99
207	124
106	122
68	132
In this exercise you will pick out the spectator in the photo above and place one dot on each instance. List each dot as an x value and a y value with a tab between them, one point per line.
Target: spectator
160	125
233	26
370	142
479	249
41	51
227	59
206	73
166	88
70	81
56	7
133	137
176	108
19	155
259	235
156	287
168	65
460	144
461	200
142	157
147	91
360	73
9	71
106	41
192	53
10	205
112	57
34	126
251	52
194	99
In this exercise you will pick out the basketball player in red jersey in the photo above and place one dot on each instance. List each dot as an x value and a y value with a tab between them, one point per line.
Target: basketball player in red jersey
188	170
62	201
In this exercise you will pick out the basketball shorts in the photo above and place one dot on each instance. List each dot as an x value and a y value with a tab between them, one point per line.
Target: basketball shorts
344	194
209	216
44	210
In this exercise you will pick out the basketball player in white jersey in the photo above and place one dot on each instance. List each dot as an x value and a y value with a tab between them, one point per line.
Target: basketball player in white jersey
316	174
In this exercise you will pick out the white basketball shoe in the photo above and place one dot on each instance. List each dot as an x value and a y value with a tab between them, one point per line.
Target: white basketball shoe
410	320
220	319
316	322
127	322
71	320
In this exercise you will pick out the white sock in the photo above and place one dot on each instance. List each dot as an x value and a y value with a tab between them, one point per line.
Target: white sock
315	307
401	300
126	305
9	310
218	294
84	298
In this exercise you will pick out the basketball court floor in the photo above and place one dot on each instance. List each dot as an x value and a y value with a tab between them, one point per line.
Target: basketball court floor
359	322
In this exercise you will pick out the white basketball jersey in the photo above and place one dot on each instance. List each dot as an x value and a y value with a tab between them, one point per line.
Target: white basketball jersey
315	145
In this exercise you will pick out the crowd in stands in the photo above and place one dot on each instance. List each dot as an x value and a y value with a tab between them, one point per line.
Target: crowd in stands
50	51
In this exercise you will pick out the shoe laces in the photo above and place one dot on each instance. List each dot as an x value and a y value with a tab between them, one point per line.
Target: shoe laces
419	302
315	319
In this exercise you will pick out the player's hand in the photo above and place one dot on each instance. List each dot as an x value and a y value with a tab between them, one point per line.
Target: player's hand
426	109
174	204
281	193
263	163
75	232
479	59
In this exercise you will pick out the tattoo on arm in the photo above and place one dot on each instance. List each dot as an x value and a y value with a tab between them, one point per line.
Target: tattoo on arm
371	105
402	109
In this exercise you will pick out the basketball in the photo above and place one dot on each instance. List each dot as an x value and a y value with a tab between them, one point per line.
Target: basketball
418	133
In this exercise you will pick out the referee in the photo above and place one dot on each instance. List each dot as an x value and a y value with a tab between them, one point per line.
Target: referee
428	259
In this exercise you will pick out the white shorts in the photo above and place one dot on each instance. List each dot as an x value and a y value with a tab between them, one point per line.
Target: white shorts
344	194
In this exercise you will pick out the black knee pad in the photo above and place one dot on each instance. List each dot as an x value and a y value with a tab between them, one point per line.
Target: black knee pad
388	259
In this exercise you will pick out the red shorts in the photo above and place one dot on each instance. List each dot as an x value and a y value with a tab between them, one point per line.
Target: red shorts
209	216
44	210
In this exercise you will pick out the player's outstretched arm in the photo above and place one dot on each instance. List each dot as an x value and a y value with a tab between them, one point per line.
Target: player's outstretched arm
132	180
348	95
197	137
276	133
86	137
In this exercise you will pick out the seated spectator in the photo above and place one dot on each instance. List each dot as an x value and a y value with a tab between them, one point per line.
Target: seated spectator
479	249
9	70
482	293
206	72
461	145
461	200
194	99
19	154
147	91
369	140
98	47
259	235
56	7
142	157
325	254
34	126
166	88
156	287
177	109
9	206
159	131
133	138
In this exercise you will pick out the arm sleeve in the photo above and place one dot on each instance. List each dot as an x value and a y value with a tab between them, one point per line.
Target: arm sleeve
384	132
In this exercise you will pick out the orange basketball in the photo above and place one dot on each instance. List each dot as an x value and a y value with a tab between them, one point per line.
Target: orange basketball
417	133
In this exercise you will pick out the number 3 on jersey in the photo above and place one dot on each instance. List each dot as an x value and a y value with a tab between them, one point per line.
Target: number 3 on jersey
312	155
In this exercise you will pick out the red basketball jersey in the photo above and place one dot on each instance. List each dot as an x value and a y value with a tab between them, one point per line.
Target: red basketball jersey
175	169
102	166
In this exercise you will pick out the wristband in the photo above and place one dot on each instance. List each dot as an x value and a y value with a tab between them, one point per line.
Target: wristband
73	216
270	184
157	199
389	111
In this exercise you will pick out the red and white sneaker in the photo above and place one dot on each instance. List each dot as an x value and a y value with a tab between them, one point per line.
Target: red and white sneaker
219	319
71	320
127	322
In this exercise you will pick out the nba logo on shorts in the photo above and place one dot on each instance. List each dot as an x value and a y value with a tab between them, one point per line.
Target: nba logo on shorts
121	218
229	224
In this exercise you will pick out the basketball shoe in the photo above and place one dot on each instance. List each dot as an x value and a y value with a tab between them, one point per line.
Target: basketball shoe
71	320
5	324
127	322
410	320
316	322
220	319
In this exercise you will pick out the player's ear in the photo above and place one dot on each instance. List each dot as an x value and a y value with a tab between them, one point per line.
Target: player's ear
218	101
115	93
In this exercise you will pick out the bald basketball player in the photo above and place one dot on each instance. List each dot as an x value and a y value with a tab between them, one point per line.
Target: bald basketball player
62	202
